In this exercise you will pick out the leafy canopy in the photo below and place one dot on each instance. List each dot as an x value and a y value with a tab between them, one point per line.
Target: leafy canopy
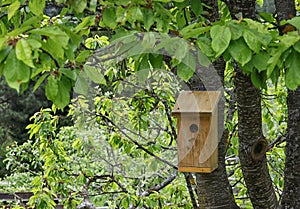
45	41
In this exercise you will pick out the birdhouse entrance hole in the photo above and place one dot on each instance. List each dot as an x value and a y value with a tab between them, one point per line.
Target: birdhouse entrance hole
194	128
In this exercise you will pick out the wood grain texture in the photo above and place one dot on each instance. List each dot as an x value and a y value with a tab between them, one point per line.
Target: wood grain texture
197	130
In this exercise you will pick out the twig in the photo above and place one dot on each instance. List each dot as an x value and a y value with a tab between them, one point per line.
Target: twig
189	176
137	143
160	186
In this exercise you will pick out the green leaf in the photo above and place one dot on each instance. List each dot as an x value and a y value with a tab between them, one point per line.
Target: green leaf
267	16
260	61
292	76
82	56
149	40
93	5
78	5
109	17
203	60
196	6
195	32
69	73
11	10
274	59
235	29
181	49
3	40
37	6
252	40
248	68
297	46
85	23
184	72
264	39
39	82
54	33
257	79
25	26
295	22
35	44
142	63
136	14
142	75
221	37
51	89
15	71
156	61
204	44
148	19
240	51
288	41
64	90
81	85
24	52
54	48
4	52
94	74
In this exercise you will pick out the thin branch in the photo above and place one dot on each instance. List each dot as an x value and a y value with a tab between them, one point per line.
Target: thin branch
189	176
136	142
160	186
277	141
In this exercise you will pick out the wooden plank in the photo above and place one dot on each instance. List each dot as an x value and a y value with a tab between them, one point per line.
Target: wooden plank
196	169
196	102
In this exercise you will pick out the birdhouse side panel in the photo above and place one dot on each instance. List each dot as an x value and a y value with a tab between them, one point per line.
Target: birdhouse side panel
209	153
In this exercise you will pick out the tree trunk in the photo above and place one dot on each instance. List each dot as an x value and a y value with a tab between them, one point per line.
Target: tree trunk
252	144
291	193
213	189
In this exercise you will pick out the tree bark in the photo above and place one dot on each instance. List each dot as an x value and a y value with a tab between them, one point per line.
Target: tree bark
285	9
213	189
252	145
291	194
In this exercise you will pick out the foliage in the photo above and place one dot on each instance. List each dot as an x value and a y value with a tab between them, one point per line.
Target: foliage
49	48
15	111
102	159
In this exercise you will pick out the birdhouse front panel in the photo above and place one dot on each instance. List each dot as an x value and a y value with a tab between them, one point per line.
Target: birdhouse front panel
197	131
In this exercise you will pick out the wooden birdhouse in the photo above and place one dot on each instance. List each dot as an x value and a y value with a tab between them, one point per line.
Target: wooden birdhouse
197	123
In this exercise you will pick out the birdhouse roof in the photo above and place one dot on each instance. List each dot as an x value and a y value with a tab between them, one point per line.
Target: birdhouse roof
196	102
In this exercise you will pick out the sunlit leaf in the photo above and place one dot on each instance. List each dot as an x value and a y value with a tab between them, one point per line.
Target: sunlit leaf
240	51
24	52
13	8
292	77
221	37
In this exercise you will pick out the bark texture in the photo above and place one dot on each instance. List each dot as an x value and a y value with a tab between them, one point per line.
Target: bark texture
252	145
291	194
213	189
285	9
